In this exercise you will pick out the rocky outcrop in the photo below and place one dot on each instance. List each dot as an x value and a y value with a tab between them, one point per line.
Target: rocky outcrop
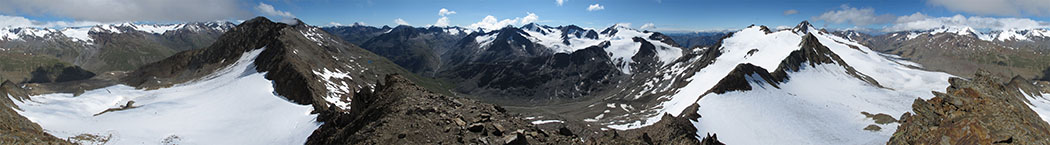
399	112
16	129
977	111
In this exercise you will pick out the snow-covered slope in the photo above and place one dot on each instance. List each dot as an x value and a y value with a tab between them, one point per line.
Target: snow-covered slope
818	104
234	105
1038	102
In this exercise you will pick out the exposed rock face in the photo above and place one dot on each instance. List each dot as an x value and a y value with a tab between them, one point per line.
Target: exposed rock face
15	129
399	112
977	111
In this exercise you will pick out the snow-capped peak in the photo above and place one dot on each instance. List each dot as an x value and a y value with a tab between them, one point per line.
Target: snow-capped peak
803	28
82	33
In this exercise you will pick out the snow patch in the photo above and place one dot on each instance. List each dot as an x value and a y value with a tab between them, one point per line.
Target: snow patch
235	106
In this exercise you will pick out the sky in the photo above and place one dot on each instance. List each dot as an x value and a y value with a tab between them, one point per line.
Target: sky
656	15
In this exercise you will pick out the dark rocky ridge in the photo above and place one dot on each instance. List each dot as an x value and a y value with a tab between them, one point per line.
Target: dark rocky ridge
399	112
811	53
291	59
977	111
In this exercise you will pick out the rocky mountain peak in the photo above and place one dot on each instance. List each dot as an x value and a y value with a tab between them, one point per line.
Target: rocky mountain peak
980	110
803	27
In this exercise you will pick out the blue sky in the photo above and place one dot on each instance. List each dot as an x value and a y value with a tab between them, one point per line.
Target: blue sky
665	15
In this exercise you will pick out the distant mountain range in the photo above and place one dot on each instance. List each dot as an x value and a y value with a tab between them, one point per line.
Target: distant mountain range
108	47
301	84
962	50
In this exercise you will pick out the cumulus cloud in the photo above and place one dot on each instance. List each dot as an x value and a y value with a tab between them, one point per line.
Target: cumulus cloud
560	2
491	22
441	22
976	22
648	26
595	7
997	7
17	21
400	21
854	16
268	10
129	10
790	12
917	16
444	12
530	18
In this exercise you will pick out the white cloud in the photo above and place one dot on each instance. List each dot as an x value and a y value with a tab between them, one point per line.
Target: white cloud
335	24
444	12
790	12
917	16
441	22
854	16
648	26
560	2
783	27
595	7
492	23
530	18
14	21
913	23
130	10
17	21
628	25
996	7
400	21
268	10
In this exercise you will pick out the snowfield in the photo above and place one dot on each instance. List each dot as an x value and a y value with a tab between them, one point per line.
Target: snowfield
235	105
817	105
1039	103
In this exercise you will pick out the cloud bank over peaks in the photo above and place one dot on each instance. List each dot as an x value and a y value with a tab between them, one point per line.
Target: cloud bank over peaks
492	23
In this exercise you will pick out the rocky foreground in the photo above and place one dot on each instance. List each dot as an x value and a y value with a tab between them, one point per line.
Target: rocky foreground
15	129
400	112
975	111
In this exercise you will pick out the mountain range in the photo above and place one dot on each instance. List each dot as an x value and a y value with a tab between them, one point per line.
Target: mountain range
263	82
